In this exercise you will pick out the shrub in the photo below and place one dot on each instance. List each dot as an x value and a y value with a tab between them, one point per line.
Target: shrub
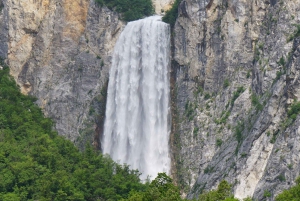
226	83
281	61
195	131
224	118
219	142
130	9
281	177
208	170
223	192
290	194
294	111
239	131
248	74
267	194
189	110
255	102
207	96
236	94
295	34
171	15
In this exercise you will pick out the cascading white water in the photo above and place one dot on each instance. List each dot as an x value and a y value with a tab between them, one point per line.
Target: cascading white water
136	130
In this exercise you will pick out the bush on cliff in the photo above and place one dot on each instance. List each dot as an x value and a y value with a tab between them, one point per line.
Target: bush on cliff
130	9
172	14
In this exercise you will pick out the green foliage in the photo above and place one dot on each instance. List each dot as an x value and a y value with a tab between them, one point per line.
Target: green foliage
100	2
171	15
189	110
294	111
195	131
223	119
243	155
226	83
292	194
295	34
219	142
37	164
261	46
281	177
222	193
130	9
281	61
256	55
208	170
198	91
248	199
207	96
248	74
160	189
236	94
255	102
273	139
239	134
267	194
278	75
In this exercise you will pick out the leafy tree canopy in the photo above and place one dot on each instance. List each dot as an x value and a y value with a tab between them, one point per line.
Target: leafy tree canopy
223	192
160	189
37	164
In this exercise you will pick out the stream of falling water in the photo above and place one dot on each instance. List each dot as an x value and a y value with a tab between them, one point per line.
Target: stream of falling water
137	124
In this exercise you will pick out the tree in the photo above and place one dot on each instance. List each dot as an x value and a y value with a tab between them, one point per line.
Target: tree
292	194
160	189
223	192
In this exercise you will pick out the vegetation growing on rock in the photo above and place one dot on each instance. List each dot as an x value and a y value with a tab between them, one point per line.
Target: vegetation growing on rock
171	15
130	9
291	194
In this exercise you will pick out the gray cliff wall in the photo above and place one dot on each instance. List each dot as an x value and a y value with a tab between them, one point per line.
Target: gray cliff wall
60	52
235	76
4	30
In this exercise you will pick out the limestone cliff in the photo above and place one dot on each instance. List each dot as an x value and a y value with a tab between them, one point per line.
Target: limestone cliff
60	52
235	73
161	6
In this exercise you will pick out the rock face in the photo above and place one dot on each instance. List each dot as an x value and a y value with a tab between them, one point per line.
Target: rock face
60	52
235	71
4	30
162	5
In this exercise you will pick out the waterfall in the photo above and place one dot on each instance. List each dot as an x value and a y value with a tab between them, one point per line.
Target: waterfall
137	127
